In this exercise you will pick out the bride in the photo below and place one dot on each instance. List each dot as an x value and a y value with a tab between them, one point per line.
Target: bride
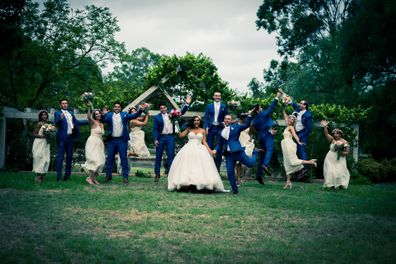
193	165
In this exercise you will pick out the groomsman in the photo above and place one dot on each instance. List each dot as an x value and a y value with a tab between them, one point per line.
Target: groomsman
68	130
214	117
163	133
264	125
229	146
303	126
118	136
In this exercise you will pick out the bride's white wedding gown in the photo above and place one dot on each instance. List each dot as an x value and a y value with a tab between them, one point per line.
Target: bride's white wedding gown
193	165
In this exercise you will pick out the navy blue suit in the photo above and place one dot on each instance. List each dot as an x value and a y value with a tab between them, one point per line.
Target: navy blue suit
262	123
214	129
233	151
167	141
303	134
65	142
119	144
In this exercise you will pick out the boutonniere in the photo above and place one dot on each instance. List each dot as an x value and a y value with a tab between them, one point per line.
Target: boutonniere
232	128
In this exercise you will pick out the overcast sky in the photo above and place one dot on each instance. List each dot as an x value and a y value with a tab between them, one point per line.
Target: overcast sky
222	30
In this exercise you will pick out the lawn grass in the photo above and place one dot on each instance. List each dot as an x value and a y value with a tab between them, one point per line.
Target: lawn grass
71	222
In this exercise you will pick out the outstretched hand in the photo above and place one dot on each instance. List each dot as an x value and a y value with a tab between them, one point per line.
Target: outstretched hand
188	99
324	123
105	110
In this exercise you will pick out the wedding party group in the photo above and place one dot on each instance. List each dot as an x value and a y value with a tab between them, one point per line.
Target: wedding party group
210	138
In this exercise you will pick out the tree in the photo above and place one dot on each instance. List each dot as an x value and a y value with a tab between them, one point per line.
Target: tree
189	74
61	49
302	23
130	73
256	87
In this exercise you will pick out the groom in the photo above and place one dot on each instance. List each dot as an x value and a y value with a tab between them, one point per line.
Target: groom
118	136
303	126
163	133
231	148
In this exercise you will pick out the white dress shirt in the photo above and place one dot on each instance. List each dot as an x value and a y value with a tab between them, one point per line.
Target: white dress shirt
167	125
299	125
225	133
216	113
117	125
69	120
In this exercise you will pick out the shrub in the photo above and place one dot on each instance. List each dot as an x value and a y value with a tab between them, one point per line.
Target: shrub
357	178
377	171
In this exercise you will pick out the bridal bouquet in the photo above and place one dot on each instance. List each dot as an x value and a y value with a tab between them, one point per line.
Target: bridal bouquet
339	148
175	118
87	97
286	99
49	129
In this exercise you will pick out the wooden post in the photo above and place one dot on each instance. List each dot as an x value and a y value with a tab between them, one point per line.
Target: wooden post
355	149
2	141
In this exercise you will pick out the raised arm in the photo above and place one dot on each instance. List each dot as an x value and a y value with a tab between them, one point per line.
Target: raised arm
285	116
294	134
184	133
140	123
325	124
89	113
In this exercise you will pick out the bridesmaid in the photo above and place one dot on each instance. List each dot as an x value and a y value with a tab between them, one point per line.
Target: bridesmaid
335	169
94	148
136	144
41	147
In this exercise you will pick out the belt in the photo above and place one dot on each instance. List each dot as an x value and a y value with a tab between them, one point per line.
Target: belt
166	134
116	137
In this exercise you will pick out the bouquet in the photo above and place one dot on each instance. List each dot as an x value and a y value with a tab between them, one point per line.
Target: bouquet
87	97
234	103
175	118
339	148
48	129
286	99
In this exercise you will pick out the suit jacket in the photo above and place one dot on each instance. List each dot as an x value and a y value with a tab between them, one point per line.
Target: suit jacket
210	114
61	124
263	120
306	120
233	140
158	125
125	117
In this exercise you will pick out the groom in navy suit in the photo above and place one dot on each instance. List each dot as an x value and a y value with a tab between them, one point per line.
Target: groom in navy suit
303	126
68	130
118	136
163	133
231	148
214	117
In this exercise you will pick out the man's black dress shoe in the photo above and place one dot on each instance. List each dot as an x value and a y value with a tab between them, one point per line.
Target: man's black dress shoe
260	180
125	181
157	176
302	174
265	168
108	179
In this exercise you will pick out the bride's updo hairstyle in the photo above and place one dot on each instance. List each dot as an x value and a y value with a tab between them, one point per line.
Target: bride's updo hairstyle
191	122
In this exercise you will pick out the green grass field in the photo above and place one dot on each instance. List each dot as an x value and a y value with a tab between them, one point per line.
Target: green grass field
71	222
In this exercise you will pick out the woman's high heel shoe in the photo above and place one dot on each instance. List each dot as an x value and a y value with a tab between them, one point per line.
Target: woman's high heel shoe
288	186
